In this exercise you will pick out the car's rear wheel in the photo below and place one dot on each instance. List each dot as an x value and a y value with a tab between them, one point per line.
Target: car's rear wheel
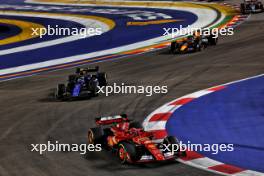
95	135
173	47
213	39
60	91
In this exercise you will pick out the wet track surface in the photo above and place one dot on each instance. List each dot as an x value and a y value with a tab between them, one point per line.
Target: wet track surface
29	114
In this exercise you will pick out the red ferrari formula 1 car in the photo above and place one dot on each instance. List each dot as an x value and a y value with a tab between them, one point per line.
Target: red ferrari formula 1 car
130	142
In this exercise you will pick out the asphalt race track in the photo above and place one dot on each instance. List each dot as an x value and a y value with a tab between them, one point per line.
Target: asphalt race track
30	115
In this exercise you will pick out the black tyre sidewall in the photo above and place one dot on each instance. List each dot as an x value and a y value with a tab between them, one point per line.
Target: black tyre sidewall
102	78
130	148
98	135
60	91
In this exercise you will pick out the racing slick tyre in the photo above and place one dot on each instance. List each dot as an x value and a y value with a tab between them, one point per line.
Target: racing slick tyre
203	46
93	86
127	153
198	48
94	93
135	125
173	47
212	39
261	7
174	142
60	91
93	90
183	51
95	135
102	78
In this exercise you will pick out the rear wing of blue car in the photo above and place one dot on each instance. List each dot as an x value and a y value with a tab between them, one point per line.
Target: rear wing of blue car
88	69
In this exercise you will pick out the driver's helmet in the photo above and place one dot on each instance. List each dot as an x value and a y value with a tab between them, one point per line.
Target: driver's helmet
82	72
94	78
197	34
80	79
88	77
123	126
134	131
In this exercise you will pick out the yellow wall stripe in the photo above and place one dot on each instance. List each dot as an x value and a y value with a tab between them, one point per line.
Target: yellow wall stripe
25	34
109	22
26	27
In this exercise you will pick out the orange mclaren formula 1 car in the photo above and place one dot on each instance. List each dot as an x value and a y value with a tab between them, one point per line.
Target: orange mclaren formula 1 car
130	142
193	43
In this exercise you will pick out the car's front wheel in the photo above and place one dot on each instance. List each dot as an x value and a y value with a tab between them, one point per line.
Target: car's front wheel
174	146
102	78
127	153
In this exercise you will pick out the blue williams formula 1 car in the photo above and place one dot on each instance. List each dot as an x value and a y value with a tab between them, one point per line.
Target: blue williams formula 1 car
251	6
84	83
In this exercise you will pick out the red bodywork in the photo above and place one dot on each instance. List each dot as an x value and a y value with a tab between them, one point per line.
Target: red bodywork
122	132
138	136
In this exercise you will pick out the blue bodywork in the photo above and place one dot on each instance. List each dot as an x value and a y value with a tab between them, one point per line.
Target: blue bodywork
77	90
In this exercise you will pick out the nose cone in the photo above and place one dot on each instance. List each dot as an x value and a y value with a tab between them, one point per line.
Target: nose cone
160	157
